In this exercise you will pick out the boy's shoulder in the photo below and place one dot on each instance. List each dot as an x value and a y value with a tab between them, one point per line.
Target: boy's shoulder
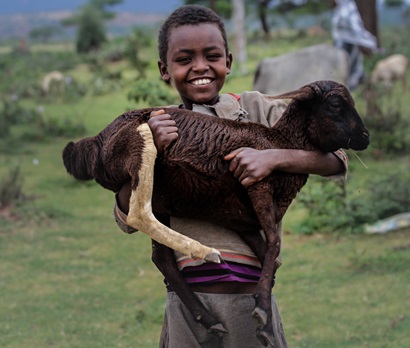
262	108
229	107
252	99
236	96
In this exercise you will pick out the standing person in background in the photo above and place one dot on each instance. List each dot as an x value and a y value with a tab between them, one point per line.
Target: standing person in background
194	58
349	33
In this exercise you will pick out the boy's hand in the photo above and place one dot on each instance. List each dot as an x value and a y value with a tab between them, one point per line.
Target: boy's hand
163	128
249	165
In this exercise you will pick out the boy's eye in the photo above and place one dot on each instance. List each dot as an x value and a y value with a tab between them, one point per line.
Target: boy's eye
183	60
214	56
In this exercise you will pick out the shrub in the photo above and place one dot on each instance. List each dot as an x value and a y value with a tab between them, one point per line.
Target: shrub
334	207
386	194
57	127
326	204
21	75
139	38
152	92
33	124
13	113
72	91
386	123
11	188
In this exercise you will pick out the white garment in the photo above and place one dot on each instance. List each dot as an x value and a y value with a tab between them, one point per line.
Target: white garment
349	33
348	26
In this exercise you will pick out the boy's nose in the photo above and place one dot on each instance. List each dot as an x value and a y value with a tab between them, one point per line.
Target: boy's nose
200	65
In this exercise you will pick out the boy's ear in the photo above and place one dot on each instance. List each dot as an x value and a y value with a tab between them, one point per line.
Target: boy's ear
163	71
229	59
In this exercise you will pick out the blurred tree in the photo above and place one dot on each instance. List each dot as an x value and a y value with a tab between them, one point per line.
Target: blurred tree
236	9
288	10
262	11
222	7
264	8
135	41
238	18
45	33
393	3
90	19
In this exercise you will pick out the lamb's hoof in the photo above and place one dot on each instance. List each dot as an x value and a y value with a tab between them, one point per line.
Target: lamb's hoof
213	257
261	316
218	329
266	338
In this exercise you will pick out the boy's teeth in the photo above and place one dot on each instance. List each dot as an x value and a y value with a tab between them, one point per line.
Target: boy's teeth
201	81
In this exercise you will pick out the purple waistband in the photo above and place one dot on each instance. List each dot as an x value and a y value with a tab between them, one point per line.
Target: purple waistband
224	272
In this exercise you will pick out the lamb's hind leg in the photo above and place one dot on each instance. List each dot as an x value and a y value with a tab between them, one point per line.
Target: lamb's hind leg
163	257
265	210
140	214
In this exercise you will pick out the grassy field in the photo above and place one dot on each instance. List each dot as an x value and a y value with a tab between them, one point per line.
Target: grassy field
69	278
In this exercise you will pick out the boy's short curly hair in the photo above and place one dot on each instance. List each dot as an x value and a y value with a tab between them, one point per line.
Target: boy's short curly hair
188	15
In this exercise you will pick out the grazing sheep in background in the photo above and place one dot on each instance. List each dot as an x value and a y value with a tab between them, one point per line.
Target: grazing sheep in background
193	180
54	77
289	71
390	69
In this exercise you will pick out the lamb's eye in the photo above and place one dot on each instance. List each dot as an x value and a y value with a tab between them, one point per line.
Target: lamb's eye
334	104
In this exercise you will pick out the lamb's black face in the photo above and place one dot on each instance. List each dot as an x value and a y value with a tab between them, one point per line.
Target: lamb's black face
339	122
356	135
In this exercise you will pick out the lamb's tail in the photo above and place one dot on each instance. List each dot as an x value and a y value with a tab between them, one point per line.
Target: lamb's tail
79	160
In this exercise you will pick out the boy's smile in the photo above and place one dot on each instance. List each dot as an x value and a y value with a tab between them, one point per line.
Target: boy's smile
201	82
197	63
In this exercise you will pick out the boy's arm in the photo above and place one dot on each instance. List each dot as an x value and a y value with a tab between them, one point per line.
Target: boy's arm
250	165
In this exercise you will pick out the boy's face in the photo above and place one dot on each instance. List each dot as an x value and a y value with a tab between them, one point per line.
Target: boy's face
197	63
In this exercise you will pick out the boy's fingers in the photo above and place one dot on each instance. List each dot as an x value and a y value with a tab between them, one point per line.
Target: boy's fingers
157	113
233	154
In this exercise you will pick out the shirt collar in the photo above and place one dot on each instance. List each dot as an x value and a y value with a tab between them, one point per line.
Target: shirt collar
227	107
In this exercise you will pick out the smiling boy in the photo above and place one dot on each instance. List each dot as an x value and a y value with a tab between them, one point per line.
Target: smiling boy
195	59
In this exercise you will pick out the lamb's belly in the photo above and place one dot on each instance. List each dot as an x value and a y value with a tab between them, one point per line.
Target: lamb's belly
229	210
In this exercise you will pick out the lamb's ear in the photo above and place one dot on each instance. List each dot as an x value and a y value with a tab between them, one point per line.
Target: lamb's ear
304	93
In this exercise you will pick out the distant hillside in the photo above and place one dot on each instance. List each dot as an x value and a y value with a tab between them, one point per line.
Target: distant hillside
20	25
39	6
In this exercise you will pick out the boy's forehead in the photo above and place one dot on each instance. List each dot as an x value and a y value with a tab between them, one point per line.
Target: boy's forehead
187	35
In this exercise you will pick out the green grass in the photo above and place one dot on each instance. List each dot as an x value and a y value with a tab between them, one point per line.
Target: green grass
69	278
345	291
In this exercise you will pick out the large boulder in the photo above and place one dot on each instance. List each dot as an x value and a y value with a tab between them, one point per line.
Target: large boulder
293	70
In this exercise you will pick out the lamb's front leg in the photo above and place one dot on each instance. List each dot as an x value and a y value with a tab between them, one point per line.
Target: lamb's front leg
261	196
140	214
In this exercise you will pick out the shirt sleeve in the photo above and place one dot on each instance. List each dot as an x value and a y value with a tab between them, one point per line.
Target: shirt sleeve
121	218
262	108
341	155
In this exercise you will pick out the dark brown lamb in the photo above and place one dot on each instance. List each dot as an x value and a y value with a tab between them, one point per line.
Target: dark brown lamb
191	178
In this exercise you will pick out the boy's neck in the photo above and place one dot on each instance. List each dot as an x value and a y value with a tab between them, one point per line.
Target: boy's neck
189	106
